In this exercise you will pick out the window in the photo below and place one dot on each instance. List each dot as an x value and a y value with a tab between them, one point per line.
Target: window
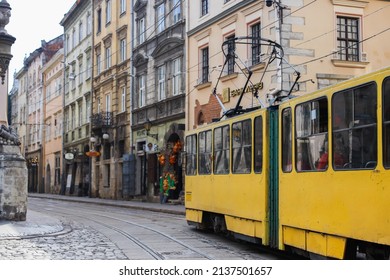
230	51
141	91
80	114
122	50
386	123
348	38
108	103
221	150
311	122
73	118
108	57
286	140
176	11
89	67
99	106
205	152
88	109
354	125
122	6
99	21
258	145
108	11
205	65
123	99
72	77
242	146
81	71
205	7
176	86
68	44
98	64
160	18
81	31
89	23
74	38
48	130
161	82
191	163
141	30
255	46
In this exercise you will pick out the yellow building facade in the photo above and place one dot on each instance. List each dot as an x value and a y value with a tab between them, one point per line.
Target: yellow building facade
346	41
110	119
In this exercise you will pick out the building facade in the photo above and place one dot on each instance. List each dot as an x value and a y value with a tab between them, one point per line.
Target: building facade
346	42
158	110
35	125
19	107
53	80
138	73
77	101
110	119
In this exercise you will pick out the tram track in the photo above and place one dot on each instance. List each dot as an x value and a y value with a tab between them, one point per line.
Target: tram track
105	220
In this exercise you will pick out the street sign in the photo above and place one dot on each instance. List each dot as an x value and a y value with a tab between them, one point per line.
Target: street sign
92	154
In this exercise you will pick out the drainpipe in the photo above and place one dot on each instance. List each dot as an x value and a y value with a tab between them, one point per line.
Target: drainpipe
132	88
91	159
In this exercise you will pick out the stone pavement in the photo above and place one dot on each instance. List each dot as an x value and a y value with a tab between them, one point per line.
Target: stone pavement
42	237
38	224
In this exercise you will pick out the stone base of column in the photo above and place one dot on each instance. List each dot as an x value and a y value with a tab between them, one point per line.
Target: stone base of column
13	184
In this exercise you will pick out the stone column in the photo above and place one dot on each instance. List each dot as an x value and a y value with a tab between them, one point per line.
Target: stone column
13	167
13	184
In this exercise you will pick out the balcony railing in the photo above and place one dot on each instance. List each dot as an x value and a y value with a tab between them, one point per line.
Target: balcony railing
102	119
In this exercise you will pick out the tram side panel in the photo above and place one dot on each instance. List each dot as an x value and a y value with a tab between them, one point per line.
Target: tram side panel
240	199
324	211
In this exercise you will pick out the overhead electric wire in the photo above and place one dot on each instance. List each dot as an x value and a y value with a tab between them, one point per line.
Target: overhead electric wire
127	45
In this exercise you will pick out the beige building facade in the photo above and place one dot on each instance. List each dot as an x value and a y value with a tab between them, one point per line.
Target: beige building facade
110	119
35	125
53	79
346	41
77	100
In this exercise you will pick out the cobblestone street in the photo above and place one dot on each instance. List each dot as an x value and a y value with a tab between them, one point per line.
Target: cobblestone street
77	243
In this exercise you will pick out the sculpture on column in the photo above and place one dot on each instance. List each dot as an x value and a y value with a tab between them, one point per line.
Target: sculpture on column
13	168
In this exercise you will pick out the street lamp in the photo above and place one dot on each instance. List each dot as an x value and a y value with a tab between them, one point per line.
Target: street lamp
148	126
6	41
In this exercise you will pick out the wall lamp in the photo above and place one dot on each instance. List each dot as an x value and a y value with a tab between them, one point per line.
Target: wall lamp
148	126
269	3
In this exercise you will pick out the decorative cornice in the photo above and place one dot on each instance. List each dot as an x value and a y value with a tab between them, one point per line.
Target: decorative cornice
350	3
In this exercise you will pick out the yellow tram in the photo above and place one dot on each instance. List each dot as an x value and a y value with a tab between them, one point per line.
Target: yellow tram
310	175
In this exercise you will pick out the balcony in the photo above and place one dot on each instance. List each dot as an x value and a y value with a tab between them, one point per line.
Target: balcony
102	120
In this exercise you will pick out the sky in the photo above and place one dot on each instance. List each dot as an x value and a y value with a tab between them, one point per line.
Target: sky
32	21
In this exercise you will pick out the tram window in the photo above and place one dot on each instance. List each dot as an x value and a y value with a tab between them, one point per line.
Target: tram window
386	123
258	145
191	155
311	120
204	155
286	140
242	146
354	128
221	150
